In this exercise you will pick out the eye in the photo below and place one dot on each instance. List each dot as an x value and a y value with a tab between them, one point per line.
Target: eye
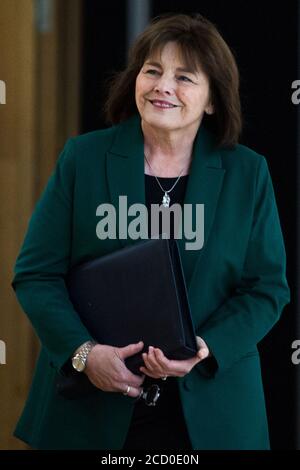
152	71
183	78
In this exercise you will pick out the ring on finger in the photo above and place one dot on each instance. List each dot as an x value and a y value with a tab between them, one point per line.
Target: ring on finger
127	391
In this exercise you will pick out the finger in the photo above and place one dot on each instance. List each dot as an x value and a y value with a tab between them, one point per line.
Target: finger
149	373
161	359
130	350
200	342
203	348
154	367
152	357
133	392
147	361
164	363
133	379
172	367
203	353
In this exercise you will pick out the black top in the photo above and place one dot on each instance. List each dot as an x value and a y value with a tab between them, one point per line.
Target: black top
162	425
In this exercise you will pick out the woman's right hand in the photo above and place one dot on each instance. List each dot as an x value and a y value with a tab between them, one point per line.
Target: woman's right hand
106	369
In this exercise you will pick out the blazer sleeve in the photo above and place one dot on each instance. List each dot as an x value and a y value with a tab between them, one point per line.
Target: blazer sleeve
43	262
235	328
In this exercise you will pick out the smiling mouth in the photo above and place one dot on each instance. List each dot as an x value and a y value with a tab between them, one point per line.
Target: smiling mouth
160	104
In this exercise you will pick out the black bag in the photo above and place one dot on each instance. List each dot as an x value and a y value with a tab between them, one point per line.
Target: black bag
135	293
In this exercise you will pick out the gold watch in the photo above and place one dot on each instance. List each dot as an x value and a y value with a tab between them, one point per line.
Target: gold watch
81	354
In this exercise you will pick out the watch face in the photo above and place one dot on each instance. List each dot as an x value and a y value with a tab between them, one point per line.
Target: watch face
78	364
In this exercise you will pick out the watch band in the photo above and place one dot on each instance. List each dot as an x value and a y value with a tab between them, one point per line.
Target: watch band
79	358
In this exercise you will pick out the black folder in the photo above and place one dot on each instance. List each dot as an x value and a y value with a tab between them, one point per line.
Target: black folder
136	293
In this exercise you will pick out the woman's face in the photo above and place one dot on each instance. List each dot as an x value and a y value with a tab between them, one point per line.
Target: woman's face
170	97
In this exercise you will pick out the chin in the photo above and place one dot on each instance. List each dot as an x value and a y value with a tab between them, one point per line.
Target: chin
162	122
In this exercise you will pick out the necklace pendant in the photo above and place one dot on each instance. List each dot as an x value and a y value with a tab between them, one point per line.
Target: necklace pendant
166	200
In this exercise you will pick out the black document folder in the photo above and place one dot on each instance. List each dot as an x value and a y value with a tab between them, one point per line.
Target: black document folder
136	293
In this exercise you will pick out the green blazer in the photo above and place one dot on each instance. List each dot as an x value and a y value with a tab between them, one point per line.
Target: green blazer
236	285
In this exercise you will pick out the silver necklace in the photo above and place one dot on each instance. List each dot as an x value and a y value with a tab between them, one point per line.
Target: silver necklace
166	198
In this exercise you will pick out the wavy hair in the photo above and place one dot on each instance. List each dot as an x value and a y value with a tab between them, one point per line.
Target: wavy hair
200	45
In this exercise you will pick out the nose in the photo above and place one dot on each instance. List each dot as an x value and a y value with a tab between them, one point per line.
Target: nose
164	84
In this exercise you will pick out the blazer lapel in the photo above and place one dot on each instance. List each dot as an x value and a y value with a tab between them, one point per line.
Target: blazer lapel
125	176
125	170
204	187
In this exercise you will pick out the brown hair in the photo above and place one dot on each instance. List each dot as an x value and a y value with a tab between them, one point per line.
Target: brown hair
201	45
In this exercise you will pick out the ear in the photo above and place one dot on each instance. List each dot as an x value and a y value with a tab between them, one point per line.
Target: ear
209	109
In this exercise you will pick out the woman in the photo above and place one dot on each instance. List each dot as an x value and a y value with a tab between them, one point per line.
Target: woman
176	116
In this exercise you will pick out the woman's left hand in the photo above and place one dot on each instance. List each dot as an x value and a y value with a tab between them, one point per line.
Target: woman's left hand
157	365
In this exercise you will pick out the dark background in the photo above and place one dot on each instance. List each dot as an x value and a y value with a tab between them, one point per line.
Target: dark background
263	38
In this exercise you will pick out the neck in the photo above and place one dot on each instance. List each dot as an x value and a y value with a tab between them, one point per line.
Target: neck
168	152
